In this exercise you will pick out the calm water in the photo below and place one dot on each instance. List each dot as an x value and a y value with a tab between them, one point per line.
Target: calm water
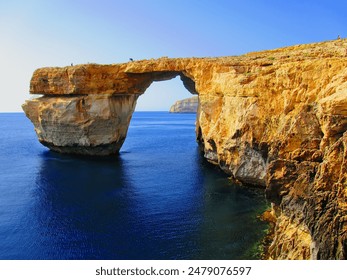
157	200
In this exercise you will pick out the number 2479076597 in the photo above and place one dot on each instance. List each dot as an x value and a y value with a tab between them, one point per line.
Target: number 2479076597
221	270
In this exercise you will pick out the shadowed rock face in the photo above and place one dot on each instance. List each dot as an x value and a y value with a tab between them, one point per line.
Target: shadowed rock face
275	119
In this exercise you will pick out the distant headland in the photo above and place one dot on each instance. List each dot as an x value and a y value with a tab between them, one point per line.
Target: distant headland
188	105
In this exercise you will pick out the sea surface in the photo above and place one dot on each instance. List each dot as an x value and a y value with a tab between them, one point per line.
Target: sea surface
158	199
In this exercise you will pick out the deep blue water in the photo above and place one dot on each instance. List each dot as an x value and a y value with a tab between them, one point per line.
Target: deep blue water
158	199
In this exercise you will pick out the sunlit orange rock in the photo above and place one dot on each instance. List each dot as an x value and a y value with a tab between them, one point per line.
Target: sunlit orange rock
275	119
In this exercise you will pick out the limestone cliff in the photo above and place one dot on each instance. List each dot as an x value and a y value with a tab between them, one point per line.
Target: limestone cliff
188	105
87	124
275	119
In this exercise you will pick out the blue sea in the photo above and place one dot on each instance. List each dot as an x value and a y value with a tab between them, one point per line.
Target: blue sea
159	199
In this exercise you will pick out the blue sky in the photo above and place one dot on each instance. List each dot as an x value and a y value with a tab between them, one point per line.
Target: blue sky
42	33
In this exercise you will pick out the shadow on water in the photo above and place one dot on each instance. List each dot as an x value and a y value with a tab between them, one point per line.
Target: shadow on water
105	209
231	228
80	205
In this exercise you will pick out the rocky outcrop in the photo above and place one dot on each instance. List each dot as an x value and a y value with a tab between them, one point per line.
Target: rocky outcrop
83	124
275	119
188	105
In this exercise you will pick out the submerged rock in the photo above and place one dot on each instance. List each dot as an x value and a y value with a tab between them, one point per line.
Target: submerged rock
275	119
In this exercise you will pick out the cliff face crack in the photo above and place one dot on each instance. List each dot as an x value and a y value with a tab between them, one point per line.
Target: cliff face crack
276	118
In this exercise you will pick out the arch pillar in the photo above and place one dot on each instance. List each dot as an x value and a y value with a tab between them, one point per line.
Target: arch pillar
94	125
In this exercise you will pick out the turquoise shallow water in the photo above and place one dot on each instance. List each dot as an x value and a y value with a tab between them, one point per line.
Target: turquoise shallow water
158	199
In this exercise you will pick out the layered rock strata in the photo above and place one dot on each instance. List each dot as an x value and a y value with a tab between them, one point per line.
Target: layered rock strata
188	105
82	124
275	119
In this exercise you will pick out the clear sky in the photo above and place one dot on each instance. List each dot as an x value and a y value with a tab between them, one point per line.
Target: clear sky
40	33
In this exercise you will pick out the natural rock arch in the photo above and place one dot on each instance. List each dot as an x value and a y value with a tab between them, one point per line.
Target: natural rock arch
274	118
86	109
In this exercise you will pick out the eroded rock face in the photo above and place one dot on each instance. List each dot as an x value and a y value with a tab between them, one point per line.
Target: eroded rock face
275	119
86	125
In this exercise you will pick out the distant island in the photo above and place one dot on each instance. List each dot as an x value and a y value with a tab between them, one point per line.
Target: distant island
188	105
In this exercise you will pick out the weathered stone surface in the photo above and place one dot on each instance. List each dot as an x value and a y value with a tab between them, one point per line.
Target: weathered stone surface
275	119
88	125
188	105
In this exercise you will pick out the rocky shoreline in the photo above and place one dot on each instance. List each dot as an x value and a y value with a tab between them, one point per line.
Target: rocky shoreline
275	119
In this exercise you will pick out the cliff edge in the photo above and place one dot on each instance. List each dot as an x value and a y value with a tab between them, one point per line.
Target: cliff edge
188	105
275	119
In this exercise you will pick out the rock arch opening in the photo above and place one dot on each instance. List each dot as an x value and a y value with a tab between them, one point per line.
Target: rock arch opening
146	79
162	95
86	109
